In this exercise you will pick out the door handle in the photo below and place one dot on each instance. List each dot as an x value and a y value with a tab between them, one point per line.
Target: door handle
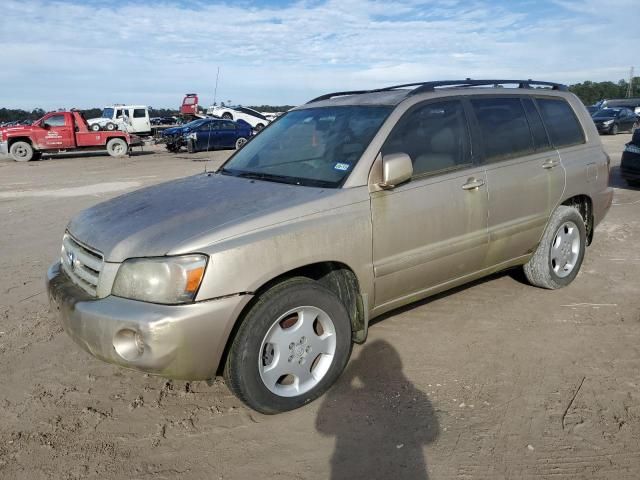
472	184
550	163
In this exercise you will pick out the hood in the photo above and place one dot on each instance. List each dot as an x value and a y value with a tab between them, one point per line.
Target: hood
157	220
98	120
603	119
16	129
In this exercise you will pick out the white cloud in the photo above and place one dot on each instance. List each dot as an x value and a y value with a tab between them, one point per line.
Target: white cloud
73	54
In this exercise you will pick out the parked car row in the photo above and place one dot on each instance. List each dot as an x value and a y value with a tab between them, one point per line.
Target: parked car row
206	134
16	123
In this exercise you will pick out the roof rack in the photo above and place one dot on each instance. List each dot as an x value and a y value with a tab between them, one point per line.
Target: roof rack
422	87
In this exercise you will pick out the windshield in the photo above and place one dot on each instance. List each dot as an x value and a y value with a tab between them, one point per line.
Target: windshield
107	113
606	112
314	146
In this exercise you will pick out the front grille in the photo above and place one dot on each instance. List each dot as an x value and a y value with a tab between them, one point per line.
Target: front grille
81	264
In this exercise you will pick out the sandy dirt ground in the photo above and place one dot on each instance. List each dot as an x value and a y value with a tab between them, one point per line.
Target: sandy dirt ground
494	380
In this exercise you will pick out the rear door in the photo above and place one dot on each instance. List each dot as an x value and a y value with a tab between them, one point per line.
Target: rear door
55	132
227	134
525	177
432	229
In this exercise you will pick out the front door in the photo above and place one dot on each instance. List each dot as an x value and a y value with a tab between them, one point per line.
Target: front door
55	132
432	229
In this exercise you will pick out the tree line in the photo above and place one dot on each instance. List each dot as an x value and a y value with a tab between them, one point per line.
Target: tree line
589	92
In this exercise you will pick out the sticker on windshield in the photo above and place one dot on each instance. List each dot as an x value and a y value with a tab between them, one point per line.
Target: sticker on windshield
341	166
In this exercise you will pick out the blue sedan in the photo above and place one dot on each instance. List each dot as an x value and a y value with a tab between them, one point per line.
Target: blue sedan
218	133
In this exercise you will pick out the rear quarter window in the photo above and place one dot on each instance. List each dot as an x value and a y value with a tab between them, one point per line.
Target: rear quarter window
561	122
139	113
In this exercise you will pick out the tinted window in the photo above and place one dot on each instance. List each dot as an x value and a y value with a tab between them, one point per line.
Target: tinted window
139	113
55	121
434	135
504	128
562	124
226	125
118	113
539	134
205	127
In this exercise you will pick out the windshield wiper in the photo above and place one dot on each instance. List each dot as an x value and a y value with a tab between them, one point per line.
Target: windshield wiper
269	177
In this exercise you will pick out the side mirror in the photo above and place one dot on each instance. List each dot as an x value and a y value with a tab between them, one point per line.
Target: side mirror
396	169
44	125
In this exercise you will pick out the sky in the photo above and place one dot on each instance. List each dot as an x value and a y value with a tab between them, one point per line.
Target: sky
64	54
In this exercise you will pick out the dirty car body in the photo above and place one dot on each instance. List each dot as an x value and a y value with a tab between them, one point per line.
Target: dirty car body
366	201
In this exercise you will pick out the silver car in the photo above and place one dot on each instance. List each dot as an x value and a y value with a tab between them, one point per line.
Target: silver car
354	204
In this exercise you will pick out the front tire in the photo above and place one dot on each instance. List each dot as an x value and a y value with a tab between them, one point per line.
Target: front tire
227	116
117	147
614	129
290	348
21	151
557	260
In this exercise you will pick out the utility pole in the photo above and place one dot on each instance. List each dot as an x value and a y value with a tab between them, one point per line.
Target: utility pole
630	87
215	92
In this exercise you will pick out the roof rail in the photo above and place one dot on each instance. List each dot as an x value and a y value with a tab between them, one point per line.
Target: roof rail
430	86
422	87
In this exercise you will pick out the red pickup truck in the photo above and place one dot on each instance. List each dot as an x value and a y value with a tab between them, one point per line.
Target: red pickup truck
61	132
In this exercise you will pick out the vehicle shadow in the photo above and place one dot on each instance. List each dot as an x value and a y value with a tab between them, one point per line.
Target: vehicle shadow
55	156
514	273
380	420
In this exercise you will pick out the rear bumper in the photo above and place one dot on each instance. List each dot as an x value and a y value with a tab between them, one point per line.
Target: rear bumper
4	148
174	341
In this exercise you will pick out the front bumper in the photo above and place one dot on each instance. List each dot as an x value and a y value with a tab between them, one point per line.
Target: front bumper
175	341
604	128
4	148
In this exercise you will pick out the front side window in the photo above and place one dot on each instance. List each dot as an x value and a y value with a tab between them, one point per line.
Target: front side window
107	113
562	124
504	128
312	146
434	135
227	125
139	113
55	121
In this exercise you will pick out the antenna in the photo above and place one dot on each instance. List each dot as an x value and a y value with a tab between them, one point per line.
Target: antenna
630	87
215	91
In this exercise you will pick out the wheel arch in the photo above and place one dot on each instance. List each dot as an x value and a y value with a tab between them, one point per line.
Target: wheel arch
336	276
584	204
12	140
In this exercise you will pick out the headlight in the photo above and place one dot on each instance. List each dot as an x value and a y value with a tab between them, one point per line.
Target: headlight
608	122
193	136
167	280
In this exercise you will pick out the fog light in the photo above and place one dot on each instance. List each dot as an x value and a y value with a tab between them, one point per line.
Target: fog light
128	344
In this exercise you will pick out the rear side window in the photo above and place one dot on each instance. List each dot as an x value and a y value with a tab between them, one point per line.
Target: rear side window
434	135
539	134
227	125
504	128
139	113
562	124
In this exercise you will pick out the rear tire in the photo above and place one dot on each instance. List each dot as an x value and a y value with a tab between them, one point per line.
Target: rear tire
95	127
110	127
21	151
292	345
559	255
240	142
117	147
259	127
